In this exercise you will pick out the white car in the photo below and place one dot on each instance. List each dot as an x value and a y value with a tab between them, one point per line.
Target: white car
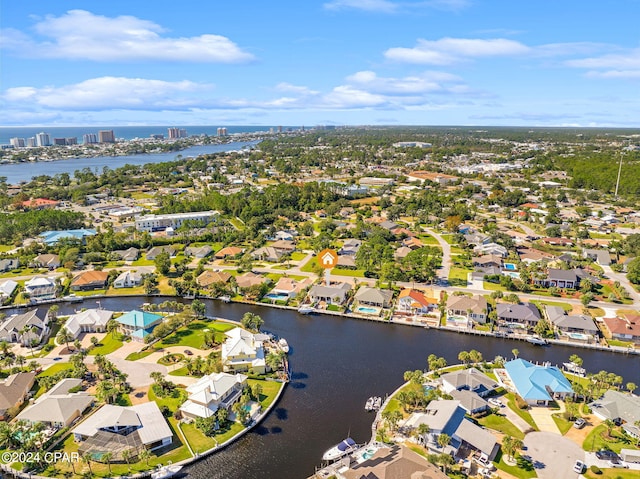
578	467
495	402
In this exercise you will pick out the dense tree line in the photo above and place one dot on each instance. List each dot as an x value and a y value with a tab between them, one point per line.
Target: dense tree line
17	226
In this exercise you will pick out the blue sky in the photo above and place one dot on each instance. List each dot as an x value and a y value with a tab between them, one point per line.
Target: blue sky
342	62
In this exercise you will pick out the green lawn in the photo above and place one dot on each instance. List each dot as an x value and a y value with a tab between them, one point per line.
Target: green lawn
269	391
108	345
93	292
428	240
541	303
193	334
357	273
623	344
522	469
612	474
237	223
502	424
520	412
449	238
309	265
489	286
55	368
6	247
297	256
562	423
458	276
597	440
173	403
143	261
140	355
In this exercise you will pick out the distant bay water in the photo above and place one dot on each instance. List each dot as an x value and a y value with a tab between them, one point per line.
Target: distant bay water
17	172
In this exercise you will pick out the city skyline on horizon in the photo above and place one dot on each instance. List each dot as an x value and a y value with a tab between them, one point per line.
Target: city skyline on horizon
331	62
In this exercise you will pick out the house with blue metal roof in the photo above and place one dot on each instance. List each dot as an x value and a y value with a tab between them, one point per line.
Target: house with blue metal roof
52	237
138	324
537	384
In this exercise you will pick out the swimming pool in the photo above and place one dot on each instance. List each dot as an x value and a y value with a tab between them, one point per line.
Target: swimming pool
277	296
513	274
426	388
579	336
510	266
366	310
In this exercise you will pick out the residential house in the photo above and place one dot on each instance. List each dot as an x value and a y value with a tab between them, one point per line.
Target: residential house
52	237
128	255
88	321
291	287
477	239
471	402
268	253
448	417
402	252
13	391
380	298
212	392
156	250
576	327
116	429
397	461
243	351
89	280
532	255
250	279
58	407
621	408
284	236
537	385
565	278
286	247
48	260
474	307
26	328
347	261
40	289
525	314
7	287
412	243
128	279
565	242
600	256
209	277
350	247
488	260
413	301
470	380
336	293
138	324
491	249
39	204
198	251
8	264
228	252
624	328
388	225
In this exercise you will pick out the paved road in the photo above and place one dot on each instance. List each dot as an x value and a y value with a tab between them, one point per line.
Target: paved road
553	455
622	278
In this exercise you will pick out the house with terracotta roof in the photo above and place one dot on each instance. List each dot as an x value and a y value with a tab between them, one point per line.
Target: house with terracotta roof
228	252
39	204
89	280
624	328
291	287
413	301
250	279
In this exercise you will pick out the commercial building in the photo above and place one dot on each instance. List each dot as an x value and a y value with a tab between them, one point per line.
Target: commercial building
162	222
175	133
106	136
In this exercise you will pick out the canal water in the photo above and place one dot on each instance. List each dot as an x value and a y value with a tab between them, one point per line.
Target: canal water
337	363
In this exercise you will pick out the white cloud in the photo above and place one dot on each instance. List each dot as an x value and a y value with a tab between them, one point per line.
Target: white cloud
630	74
451	50
301	90
622	61
80	34
108	93
427	82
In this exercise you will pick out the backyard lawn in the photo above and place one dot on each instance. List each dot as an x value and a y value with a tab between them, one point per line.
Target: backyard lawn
458	276
108	345
193	334
597	439
502	424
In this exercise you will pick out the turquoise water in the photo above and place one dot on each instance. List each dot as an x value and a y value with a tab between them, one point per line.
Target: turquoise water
427	388
513	274
364	309
277	296
510	266
578	336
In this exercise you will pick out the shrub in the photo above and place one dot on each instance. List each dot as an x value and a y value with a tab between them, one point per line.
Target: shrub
521	403
595	469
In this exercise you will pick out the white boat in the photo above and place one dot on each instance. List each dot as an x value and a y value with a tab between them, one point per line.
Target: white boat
369	404
166	471
336	452
306	309
377	402
225	299
537	341
574	368
283	345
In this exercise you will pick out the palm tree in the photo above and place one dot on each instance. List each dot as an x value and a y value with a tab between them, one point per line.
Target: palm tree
609	424
64	336
392	417
112	326
463	356
422	431
144	455
4	347
475	356
631	387
107	458
86	457
515	353
445	460
275	359
20	360
443	440
126	455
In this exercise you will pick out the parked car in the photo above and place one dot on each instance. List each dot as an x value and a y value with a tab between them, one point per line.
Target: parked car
188	352
606	455
579	423
616	463
495	402
578	467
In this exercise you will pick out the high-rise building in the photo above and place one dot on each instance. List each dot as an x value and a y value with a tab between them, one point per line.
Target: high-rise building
60	141
31	142
43	139
279	129
89	138
222	131
18	142
175	133
72	140
106	136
